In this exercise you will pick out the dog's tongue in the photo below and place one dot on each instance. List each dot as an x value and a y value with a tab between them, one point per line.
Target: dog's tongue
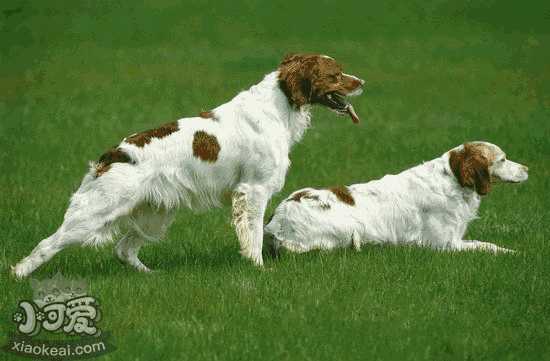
352	113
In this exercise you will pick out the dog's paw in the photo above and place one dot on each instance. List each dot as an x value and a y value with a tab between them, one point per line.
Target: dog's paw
17	272
255	257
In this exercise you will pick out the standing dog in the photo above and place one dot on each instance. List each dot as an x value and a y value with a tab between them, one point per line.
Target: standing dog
239	148
428	205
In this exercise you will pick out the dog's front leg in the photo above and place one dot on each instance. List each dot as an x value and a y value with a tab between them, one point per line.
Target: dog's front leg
249	203
467	245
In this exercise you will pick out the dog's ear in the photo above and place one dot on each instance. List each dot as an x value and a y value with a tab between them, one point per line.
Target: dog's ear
471	169
476	169
456	162
295	79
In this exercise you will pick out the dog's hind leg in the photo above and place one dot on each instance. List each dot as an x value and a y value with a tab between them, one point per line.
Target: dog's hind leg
147	224
91	219
42	253
127	250
93	228
90	229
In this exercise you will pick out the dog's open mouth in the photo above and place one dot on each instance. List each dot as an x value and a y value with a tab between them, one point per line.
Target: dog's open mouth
338	103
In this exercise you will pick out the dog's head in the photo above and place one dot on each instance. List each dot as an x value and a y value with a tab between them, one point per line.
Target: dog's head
478	164
318	79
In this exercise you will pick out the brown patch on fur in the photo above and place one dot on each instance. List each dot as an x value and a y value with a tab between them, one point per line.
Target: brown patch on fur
306	78
100	169
313	197
297	197
207	115
343	194
140	139
471	167
113	155
205	146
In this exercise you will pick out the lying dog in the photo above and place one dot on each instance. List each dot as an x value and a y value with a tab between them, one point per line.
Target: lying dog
428	205
239	149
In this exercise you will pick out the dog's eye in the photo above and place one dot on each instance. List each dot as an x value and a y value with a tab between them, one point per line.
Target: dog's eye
503	159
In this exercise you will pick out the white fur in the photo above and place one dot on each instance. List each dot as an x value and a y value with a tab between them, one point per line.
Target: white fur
255	130
424	206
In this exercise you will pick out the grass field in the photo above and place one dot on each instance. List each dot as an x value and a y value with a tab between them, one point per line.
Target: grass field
78	76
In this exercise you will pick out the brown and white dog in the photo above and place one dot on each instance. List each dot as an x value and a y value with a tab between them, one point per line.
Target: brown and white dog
427	205
240	148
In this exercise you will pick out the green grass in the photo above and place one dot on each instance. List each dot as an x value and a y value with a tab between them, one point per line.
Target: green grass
77	76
